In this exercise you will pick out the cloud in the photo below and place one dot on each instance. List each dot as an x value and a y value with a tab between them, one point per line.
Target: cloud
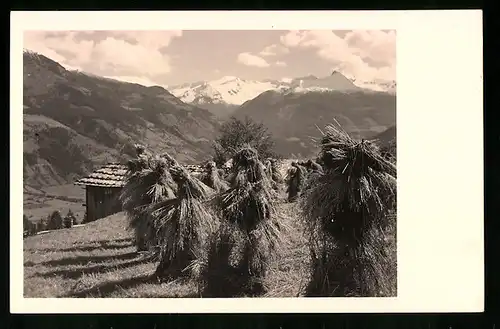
280	63
274	50
291	39
124	58
149	39
139	80
107	53
375	45
60	47
365	55
252	60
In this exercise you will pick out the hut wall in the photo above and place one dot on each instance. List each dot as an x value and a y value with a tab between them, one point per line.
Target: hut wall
91	207
102	202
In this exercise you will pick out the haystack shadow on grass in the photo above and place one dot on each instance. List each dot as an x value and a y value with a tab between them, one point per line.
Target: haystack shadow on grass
106	289
220	277
102	245
84	260
78	272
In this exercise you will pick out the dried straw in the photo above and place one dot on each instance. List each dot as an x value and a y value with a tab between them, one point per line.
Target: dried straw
211	177
182	224
347	211
249	227
296	178
148	181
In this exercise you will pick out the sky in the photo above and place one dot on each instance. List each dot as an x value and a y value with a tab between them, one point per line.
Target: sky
169	58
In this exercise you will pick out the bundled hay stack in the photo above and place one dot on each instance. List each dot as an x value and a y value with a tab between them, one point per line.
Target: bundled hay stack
313	167
149	181
349	210
182	224
275	172
170	159
296	178
314	170
268	169
272	169
211	177
249	234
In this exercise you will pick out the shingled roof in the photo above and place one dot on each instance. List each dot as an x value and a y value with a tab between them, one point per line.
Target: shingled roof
115	175
110	175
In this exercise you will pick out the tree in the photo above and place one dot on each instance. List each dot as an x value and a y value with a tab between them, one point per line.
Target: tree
235	134
55	221
26	222
28	226
44	221
69	220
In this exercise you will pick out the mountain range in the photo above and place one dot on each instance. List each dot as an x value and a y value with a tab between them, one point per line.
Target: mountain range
223	96
296	118
74	121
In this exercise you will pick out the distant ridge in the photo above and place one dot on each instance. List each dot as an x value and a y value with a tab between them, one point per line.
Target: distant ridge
74	121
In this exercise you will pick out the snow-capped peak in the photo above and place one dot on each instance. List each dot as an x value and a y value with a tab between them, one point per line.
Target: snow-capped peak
228	90
231	90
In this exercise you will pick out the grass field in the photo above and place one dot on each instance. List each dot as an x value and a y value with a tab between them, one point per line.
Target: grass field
100	260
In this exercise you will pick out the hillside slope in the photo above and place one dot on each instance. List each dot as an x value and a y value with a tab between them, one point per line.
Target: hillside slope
294	117
74	121
387	136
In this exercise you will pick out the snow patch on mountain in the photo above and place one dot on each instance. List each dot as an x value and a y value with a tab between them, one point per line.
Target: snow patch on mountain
231	90
228	90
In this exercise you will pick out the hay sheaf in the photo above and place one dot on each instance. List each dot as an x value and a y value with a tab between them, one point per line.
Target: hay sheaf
249	231
348	210
149	181
183	224
296	179
212	178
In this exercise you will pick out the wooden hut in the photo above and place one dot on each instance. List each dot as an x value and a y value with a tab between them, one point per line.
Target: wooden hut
102	189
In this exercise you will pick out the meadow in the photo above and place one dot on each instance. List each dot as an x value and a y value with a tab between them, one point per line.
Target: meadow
100	260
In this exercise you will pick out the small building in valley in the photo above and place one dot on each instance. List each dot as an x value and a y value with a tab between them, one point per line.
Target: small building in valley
102	190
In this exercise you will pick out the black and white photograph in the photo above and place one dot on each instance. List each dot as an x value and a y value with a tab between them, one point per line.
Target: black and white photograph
211	163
